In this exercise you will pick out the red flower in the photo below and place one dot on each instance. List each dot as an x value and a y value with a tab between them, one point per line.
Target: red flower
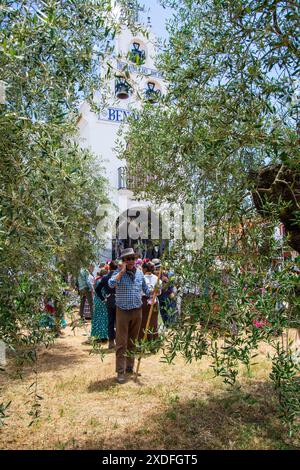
260	323
49	308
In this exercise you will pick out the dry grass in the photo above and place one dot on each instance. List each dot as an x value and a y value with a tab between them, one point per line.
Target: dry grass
171	407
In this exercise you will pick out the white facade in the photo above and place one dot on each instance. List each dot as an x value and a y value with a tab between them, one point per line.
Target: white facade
99	133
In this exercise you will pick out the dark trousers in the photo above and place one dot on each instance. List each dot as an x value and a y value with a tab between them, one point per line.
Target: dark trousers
128	327
111	309
86	294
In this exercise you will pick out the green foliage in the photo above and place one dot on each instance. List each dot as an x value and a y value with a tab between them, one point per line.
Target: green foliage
3	412
231	108
287	384
50	53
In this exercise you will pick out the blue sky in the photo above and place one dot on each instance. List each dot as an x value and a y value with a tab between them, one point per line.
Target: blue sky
158	15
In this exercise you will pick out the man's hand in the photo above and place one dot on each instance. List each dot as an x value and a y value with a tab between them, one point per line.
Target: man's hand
123	268
120	274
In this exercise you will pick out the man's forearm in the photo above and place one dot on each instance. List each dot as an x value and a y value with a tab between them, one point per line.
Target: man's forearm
118	276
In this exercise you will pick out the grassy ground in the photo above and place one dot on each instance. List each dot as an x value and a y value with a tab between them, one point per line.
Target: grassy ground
176	406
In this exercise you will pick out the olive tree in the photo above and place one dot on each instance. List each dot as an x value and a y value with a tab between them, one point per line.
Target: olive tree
50	52
227	133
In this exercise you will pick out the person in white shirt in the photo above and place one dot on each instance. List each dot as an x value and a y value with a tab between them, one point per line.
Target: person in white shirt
151	281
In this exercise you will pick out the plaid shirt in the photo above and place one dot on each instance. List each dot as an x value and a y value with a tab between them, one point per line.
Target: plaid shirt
129	289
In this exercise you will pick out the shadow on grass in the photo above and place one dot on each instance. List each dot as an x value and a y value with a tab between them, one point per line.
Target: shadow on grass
99	351
103	385
59	356
56	357
232	420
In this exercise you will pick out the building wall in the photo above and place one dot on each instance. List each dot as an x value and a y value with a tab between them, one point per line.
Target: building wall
99	132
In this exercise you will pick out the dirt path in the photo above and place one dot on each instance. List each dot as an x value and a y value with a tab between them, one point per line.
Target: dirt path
171	407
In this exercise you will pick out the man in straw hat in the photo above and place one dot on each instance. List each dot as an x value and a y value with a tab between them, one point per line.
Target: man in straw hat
130	284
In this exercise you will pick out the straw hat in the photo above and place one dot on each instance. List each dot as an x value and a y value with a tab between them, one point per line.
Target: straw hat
128	252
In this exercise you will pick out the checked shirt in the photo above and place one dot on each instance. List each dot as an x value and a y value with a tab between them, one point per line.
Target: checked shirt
129	289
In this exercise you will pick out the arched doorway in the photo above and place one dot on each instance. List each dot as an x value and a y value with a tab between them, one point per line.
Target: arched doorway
139	228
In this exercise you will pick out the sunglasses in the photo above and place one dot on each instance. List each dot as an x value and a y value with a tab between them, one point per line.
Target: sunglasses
129	259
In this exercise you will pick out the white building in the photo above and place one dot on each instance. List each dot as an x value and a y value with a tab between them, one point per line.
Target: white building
99	132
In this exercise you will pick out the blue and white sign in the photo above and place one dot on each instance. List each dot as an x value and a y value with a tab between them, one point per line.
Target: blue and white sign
117	115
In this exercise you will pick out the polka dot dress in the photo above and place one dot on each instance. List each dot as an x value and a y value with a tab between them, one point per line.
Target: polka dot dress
100	319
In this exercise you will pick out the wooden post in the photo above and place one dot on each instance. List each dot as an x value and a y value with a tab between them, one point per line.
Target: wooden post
156	289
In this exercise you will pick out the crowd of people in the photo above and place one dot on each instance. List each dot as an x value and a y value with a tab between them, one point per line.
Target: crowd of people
119	297
118	302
